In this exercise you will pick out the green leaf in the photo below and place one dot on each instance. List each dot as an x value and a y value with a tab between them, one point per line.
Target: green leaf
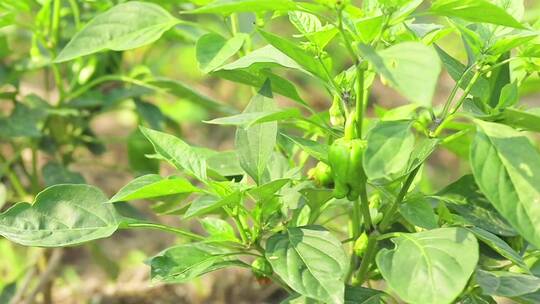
527	120
256	144
389	147
213	50
152	186
137	149
409	67
296	53
227	7
311	261
257	79
498	245
456	70
177	152
208	204
430	267
474	11
62	215
464	197
509	95
362	295
125	26
186	262
506	284
418	211
501	154
248	119
225	163
183	91
218	230
263	58
315	149
305	23
268	190
54	173
353	295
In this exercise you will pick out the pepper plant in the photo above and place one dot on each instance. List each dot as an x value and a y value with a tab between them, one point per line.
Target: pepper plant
335	206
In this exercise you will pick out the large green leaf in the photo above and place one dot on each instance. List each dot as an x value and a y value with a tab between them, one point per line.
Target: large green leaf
126	26
409	67
295	52
475	11
152	186
390	144
227	7
464	197
430	267
506	167
506	284
186	262
177	152
213	50
498	245
256	143
419	212
311	261
61	215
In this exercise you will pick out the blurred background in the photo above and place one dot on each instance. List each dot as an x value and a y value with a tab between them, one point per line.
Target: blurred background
95	140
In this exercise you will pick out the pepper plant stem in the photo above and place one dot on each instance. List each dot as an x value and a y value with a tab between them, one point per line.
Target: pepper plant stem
166	229
387	218
371	251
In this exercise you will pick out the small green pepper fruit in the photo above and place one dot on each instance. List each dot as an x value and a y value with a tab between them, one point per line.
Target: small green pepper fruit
336	116
322	175
345	158
360	245
261	268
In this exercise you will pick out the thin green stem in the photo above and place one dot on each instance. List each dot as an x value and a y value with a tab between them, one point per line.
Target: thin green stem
466	92
83	89
364	206
369	256
165	228
76	13
359	100
355	219
35	172
389	215
234	24
55	24
453	93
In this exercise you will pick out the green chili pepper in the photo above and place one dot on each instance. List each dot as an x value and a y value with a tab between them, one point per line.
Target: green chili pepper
322	175
345	158
360	245
336	115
